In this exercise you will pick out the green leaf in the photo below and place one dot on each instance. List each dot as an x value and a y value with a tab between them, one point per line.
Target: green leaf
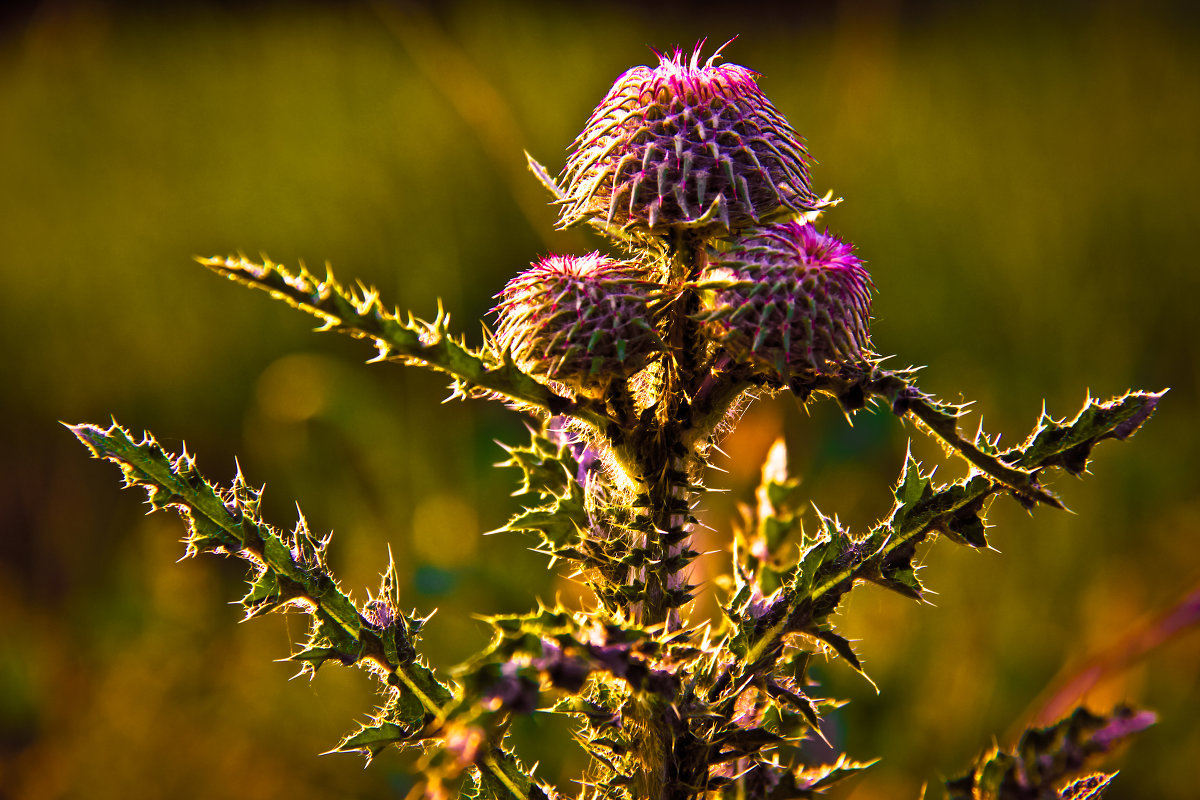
560	525
913	486
840	645
1069	444
505	778
264	594
362	315
834	560
1047	757
292	566
312	658
820	778
371	740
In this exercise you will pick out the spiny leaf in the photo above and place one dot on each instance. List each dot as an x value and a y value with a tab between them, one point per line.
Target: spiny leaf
771	781
264	594
291	567
1015	469
403	720
371	740
913	486
559	523
840	645
362	315
822	548
506	778
311	658
561	650
1088	787
835	560
1069	444
820	778
1046	757
553	487
547	467
763	543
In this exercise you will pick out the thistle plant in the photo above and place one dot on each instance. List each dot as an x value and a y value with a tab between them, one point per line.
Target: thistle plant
720	288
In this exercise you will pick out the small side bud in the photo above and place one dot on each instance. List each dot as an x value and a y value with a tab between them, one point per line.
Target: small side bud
583	321
792	299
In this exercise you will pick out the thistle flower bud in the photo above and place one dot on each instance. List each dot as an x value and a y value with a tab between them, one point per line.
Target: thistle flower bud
580	320
790	297
379	613
690	146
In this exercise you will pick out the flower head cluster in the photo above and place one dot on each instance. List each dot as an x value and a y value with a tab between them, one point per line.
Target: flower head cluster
685	145
791	297
580	320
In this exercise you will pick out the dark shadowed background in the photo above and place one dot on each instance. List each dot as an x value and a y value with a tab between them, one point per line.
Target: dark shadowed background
1022	183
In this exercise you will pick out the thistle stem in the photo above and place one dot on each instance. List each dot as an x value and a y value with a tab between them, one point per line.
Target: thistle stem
666	463
666	458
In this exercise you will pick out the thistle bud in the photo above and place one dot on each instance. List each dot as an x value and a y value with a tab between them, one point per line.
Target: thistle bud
686	146
581	320
791	298
379	613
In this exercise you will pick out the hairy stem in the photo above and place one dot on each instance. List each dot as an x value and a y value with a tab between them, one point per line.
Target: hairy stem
667	457
666	466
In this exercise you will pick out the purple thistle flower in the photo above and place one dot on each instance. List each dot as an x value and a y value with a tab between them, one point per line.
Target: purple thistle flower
685	145
790	297
581	320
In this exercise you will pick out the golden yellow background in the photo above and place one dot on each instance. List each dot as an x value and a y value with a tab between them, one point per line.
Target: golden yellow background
1022	183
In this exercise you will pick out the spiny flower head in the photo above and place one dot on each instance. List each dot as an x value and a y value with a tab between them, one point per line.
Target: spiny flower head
685	145
580	320
791	297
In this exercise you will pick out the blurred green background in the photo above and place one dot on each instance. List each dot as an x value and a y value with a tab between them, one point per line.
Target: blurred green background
1022	183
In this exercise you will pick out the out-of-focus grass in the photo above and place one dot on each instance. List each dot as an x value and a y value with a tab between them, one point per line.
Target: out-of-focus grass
1022	187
